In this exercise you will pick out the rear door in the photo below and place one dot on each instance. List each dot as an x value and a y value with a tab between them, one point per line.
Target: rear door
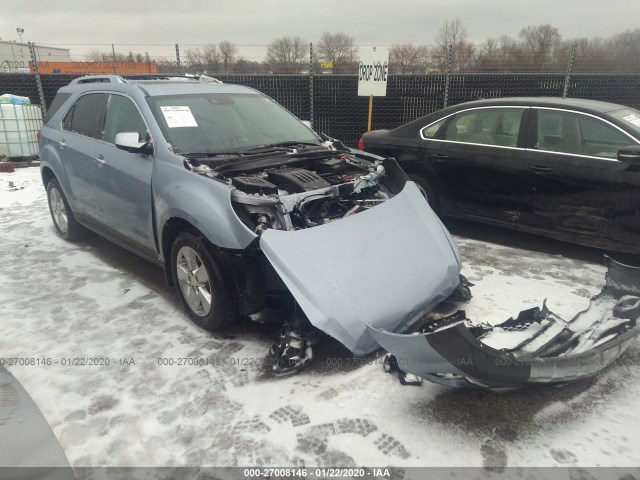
81	126
123	179
577	185
479	162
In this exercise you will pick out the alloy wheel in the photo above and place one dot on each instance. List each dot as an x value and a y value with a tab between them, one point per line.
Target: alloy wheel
194	281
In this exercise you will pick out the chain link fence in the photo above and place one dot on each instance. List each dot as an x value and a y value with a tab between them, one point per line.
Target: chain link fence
330	100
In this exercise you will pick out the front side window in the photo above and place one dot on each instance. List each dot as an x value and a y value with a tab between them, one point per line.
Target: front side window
487	126
225	122
87	115
578	134
122	116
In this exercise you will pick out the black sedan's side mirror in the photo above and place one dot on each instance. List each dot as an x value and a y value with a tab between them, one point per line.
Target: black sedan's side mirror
629	154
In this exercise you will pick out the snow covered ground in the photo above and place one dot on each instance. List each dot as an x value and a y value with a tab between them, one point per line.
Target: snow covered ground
64	301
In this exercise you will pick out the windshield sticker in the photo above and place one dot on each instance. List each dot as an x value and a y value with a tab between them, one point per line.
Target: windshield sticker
178	117
632	119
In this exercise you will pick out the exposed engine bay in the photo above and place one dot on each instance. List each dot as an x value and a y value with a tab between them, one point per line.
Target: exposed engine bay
307	192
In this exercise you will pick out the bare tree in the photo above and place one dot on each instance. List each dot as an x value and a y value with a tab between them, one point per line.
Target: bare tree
501	54
541	42
625	48
228	54
205	59
339	49
287	54
408	58
453	35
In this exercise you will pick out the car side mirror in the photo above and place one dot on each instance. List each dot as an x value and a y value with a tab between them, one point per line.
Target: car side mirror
629	154
130	142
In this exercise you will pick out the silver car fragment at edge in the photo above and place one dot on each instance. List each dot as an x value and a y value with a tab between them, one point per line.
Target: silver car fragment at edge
536	347
247	209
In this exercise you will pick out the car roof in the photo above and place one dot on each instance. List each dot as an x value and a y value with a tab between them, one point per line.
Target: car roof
579	103
155	88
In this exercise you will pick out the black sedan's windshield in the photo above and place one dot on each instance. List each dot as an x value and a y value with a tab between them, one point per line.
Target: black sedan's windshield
226	122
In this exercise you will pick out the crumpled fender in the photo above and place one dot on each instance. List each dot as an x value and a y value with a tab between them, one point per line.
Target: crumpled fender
452	352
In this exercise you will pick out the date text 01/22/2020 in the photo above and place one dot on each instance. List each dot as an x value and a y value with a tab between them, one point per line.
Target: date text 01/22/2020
303	472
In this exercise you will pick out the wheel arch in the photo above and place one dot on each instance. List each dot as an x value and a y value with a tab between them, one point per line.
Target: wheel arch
47	174
170	230
423	171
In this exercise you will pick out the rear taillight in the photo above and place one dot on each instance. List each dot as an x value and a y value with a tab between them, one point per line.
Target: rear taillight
38	135
361	144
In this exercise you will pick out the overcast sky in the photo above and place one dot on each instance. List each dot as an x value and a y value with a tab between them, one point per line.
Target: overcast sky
257	22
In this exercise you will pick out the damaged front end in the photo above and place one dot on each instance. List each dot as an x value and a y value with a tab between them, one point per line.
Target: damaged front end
351	239
537	347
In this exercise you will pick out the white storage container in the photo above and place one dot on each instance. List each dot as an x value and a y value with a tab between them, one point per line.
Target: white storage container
19	125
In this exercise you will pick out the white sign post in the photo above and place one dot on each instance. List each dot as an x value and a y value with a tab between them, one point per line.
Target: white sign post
372	75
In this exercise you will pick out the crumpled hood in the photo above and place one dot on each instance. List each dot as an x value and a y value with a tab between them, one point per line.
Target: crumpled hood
386	267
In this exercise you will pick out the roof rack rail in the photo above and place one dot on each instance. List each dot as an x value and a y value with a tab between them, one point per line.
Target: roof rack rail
98	79
174	78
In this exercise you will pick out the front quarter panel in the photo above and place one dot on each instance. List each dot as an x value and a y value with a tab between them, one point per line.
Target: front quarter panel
203	202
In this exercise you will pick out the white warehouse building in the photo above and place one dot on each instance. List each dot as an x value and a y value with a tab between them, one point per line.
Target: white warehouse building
15	56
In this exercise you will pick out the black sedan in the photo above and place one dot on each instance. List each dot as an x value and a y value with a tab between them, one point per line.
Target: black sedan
564	168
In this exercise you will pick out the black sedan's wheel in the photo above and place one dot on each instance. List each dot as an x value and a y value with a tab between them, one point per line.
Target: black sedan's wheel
427	190
61	214
203	284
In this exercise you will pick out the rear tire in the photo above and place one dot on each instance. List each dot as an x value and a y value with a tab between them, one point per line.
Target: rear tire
427	190
203	282
61	214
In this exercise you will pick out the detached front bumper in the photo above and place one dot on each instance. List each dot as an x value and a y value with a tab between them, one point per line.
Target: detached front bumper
536	347
386	266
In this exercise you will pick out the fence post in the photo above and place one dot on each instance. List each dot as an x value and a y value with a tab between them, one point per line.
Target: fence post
178	57
448	76
34	60
567	77
113	53
311	83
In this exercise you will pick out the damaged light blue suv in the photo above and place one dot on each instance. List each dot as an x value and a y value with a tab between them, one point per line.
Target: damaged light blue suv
246	208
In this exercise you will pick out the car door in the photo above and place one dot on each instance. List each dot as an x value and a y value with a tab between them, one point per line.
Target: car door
81	127
576	184
123	179
479	162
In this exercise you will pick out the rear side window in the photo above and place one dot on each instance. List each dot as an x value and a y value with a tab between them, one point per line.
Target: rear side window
431	130
86	117
487	126
58	101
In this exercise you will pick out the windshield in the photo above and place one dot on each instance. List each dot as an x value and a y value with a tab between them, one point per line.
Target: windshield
225	122
629	116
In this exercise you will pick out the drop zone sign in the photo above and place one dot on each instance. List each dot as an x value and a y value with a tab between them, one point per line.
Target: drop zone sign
373	72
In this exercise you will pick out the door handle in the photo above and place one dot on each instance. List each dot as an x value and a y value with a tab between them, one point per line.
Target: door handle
441	157
540	170
99	159
61	143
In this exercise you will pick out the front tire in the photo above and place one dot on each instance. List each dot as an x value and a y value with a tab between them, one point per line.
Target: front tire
203	282
61	214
